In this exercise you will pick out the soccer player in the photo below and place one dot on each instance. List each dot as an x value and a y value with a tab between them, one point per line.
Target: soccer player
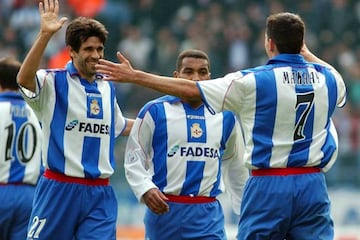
174	156
285	109
80	119
20	154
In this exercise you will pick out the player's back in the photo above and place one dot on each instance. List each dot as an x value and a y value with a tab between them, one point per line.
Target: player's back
289	123
20	145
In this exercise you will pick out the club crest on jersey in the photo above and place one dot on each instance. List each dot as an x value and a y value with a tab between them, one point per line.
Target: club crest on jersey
94	106
196	130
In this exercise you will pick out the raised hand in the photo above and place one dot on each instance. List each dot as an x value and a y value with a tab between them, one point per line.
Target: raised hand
49	10
120	72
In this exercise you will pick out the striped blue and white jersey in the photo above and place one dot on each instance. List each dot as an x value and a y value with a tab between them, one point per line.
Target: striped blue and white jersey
285	109
20	143
179	149
80	121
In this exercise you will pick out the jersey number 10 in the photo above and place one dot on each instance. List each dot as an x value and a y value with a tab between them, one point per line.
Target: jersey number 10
24	151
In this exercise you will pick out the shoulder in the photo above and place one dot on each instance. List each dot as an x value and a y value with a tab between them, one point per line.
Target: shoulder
263	69
325	69
156	105
51	73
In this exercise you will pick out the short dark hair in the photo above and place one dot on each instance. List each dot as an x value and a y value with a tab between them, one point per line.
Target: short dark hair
9	68
81	28
287	30
193	53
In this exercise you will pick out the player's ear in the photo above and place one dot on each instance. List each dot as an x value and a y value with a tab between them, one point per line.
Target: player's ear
272	45
175	74
71	52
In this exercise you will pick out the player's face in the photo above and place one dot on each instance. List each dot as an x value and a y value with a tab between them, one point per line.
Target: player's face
88	55
196	69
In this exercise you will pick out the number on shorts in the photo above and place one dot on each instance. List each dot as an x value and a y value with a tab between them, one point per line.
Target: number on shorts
36	227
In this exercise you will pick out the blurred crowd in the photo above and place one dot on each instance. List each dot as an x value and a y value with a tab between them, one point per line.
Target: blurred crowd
152	32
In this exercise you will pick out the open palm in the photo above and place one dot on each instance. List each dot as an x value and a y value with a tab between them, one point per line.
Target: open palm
49	10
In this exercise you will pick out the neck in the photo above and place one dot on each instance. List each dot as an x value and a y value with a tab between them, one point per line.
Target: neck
194	104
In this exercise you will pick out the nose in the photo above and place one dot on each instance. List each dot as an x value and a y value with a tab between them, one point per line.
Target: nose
195	77
95	54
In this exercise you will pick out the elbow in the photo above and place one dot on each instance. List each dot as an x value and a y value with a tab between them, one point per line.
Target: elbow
23	82
19	80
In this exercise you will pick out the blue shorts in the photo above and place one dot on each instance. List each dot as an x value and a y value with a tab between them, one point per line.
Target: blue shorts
15	210
72	211
295	207
186	221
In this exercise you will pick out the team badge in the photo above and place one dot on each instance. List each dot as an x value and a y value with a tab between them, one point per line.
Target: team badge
94	107
196	130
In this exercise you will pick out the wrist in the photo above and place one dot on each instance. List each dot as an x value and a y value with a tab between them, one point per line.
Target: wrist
45	34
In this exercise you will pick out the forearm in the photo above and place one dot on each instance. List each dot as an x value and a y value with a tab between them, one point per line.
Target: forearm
124	72
136	151
129	124
182	88
31	63
136	174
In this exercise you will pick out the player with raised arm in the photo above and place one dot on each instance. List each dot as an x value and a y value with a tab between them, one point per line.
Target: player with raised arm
80	118
285	109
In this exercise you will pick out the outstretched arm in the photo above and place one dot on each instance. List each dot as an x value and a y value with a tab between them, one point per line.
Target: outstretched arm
123	72
49	25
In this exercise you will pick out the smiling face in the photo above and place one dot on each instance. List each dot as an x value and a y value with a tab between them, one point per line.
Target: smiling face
88	55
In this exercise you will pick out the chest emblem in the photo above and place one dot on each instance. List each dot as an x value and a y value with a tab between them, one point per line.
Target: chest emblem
196	130
94	107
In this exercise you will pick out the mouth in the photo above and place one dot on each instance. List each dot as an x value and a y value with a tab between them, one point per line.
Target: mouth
92	64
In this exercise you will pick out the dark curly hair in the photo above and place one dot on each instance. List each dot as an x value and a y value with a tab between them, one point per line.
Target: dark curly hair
81	28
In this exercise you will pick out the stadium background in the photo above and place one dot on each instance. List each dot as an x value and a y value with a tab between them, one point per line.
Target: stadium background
152	32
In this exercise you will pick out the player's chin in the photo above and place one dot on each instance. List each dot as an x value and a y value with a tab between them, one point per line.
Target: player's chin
91	69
